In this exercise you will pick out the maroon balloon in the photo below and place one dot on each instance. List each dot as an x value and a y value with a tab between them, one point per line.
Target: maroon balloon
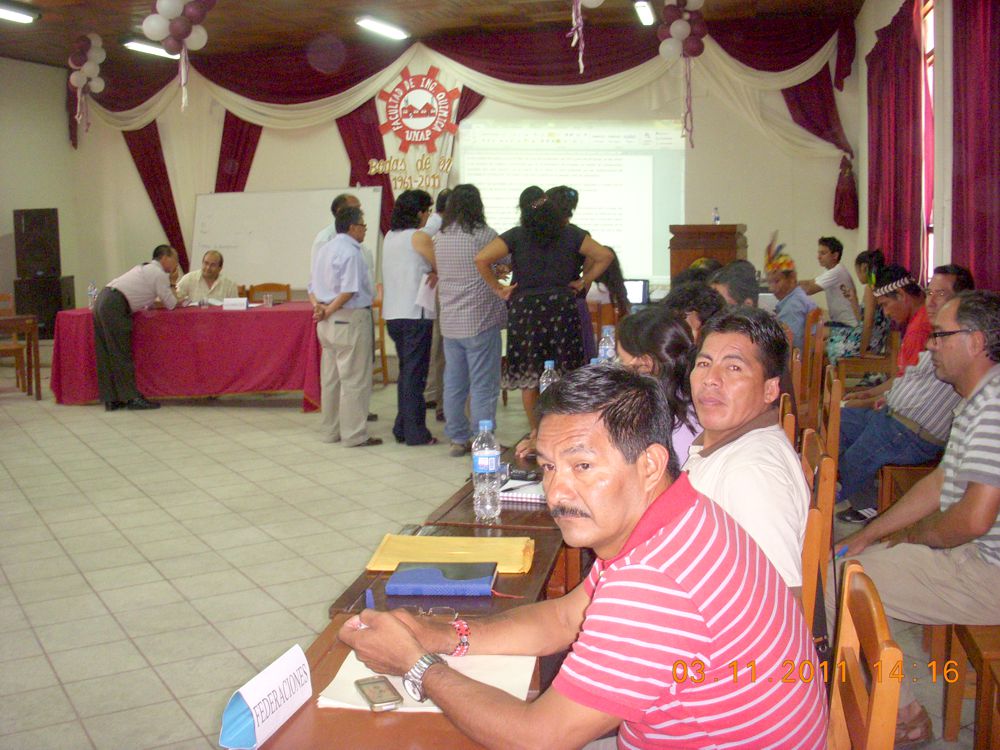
180	28
209	4
681	4
671	13
693	46
82	44
699	29
77	59
173	46
194	11
663	32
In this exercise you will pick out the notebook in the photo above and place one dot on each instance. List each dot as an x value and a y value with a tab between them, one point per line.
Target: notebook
512	554
522	493
442	579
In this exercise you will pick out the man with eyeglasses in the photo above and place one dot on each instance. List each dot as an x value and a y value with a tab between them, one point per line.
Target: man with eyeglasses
340	289
939	562
909	426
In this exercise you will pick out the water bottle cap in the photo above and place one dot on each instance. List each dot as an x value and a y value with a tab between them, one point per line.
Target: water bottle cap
595	360
485	424
606	330
550	364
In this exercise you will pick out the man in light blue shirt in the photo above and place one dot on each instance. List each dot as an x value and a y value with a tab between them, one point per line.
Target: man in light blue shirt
793	303
340	289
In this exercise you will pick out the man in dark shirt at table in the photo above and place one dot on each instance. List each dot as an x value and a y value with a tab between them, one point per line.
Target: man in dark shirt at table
136	289
678	634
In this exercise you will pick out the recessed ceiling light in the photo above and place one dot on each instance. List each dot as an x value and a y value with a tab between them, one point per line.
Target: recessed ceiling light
645	12
149	48
18	13
381	27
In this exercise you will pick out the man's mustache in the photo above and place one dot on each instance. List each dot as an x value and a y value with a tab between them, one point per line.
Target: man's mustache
566	510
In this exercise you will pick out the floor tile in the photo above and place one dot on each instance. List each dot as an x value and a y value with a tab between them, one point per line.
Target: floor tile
138	597
31	673
178	645
206	674
31	709
64	610
189	565
266	628
238	604
162	618
206	710
66	735
58	587
126	575
142	728
307	591
252	554
97	661
79	633
117	692
50	567
207	584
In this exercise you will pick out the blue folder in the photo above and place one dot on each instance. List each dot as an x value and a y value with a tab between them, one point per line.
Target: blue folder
442	579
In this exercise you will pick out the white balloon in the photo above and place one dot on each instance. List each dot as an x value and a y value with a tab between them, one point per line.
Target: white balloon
695	4
90	69
97	55
95	40
77	78
591	3
156	27
169	9
680	29
670	49
96	85
197	39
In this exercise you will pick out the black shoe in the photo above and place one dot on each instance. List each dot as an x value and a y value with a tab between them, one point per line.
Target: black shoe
373	417
852	515
113	405
432	404
141	403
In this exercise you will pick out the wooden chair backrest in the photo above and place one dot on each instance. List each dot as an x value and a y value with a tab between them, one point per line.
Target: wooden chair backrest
380	371
865	692
813	353
828	422
281	292
821	478
798	384
786	417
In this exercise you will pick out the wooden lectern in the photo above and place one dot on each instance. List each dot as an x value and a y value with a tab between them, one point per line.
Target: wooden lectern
724	242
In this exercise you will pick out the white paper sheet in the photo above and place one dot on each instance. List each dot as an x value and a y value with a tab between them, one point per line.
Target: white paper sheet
511	674
427	296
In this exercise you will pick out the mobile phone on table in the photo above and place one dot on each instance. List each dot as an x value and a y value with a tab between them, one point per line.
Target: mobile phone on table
379	693
524	475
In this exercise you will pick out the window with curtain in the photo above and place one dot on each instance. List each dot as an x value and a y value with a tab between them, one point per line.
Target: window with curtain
927	129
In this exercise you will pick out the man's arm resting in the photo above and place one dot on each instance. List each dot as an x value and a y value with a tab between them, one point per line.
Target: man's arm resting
968	519
497	719
923	499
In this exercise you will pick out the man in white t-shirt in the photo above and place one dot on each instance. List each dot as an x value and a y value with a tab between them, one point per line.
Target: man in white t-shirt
836	281
743	460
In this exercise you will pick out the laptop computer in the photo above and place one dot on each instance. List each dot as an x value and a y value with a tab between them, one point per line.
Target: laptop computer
637	291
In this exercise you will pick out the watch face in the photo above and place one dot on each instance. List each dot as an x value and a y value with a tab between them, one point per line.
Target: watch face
412	689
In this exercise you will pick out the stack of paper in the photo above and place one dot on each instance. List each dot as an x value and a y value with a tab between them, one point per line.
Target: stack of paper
511	554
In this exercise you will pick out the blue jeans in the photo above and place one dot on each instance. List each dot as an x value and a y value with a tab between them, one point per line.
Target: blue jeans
471	369
870	439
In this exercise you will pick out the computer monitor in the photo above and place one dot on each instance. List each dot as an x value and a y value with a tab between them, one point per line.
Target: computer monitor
637	291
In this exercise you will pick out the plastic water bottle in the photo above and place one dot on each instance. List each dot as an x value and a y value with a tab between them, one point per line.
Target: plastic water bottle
549	375
716	219
92	295
606	346
486	473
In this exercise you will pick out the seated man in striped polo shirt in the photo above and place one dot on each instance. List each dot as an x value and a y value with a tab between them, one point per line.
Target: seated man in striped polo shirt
939	562
682	635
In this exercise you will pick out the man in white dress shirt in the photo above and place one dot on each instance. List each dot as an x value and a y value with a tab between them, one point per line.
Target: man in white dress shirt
207	283
136	289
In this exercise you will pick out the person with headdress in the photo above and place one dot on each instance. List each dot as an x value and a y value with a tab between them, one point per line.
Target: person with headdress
793	303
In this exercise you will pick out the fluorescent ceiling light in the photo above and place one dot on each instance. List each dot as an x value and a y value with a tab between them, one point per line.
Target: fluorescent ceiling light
149	48
645	12
381	27
18	13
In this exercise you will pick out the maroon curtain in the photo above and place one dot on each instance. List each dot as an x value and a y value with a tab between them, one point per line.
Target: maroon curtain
71	114
144	145
975	233
239	144
363	141
467	103
895	143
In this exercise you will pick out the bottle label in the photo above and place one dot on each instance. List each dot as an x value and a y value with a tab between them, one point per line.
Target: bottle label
486	462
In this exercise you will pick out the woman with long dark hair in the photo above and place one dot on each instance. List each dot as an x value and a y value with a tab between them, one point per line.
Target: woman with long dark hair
658	342
548	256
844	341
408	254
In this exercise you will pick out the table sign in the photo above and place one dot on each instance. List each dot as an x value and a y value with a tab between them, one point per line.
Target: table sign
234	303
260	707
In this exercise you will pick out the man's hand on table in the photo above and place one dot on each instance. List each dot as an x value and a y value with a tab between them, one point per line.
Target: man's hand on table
382	641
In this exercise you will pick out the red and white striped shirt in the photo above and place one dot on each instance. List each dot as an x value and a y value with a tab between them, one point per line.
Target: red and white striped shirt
694	640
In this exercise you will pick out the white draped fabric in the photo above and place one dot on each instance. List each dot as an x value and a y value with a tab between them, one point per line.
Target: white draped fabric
744	89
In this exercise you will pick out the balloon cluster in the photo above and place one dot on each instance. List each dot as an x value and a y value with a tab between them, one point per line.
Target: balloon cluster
88	54
176	24
682	30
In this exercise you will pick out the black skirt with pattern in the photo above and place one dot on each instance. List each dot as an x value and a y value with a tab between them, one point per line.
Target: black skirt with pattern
540	326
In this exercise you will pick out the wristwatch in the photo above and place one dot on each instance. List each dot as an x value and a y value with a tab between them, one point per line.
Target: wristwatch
413	681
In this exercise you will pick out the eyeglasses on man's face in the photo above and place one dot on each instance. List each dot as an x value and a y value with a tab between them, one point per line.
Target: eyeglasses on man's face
935	335
942	294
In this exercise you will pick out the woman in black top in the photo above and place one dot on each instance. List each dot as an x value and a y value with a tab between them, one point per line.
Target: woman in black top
548	256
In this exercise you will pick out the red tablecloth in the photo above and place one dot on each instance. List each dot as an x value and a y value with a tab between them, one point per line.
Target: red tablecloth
198	351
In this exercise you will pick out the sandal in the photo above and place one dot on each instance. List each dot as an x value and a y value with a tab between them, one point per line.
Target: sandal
915	732
369	442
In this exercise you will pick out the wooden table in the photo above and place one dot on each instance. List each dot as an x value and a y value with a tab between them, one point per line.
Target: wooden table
27	326
313	728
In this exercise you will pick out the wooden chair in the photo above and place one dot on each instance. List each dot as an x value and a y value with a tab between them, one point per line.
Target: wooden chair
798	384
980	646
241	291
857	367
381	361
602	314
864	697
14	348
786	418
281	292
895	480
812	365
828	420
821	478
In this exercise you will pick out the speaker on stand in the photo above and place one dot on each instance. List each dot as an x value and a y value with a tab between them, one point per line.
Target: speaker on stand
40	289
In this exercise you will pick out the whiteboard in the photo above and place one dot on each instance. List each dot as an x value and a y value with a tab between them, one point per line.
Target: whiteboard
268	236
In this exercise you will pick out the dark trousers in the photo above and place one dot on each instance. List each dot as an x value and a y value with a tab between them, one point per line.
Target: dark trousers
413	347
113	347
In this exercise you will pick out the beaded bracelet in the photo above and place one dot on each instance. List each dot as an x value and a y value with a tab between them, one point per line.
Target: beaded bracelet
462	628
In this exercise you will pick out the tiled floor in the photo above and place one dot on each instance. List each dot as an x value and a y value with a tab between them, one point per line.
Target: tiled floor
150	562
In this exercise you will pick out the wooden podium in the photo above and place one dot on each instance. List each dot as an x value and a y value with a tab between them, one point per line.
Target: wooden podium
724	242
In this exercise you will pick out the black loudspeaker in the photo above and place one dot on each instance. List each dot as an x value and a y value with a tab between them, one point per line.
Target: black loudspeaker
43	297
36	242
